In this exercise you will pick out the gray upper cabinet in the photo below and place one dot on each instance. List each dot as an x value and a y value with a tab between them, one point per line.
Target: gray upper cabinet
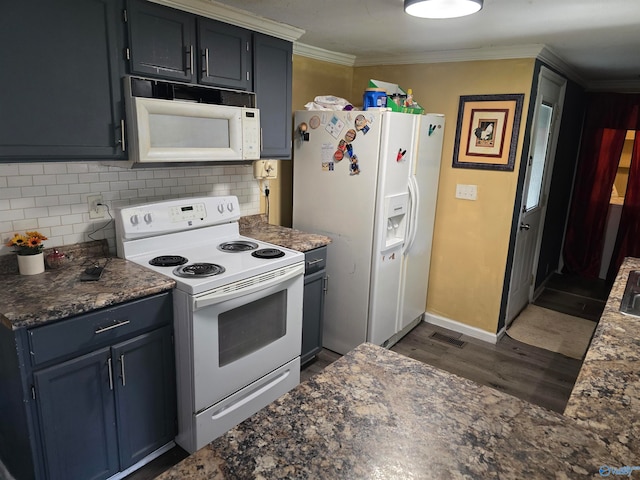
162	41
60	93
176	45
225	55
272	67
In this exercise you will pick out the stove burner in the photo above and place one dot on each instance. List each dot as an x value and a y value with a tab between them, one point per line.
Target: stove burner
268	253
167	261
237	246
197	270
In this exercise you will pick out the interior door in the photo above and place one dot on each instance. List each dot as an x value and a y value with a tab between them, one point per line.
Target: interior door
546	125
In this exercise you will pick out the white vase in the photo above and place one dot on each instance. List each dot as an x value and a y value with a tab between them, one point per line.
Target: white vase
31	264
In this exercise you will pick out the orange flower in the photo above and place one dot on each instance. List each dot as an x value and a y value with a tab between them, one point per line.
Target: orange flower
18	240
37	235
29	244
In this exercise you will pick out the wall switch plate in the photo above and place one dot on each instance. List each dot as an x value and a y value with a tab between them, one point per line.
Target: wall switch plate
96	210
467	192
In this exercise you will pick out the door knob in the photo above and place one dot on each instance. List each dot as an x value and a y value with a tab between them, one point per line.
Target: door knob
524	226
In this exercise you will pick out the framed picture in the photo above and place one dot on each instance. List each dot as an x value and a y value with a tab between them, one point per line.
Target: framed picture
487	131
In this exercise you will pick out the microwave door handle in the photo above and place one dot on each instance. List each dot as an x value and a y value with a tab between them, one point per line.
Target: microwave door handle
206	62
189	53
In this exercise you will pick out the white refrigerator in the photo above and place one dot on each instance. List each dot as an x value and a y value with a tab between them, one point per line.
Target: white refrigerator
369	181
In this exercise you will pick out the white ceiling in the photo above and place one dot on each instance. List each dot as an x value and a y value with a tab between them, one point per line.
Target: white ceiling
597	42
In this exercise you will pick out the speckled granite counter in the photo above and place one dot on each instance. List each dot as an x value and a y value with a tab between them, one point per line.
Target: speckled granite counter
377	414
256	226
606	396
27	301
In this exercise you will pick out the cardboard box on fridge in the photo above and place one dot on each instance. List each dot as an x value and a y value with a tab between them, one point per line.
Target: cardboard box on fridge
391	89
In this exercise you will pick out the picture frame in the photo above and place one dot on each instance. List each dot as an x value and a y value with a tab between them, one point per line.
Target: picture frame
487	131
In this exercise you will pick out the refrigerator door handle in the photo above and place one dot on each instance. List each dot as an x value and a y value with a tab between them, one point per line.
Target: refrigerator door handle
414	201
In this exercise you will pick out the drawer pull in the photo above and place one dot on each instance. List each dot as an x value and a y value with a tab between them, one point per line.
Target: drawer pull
313	262
111	327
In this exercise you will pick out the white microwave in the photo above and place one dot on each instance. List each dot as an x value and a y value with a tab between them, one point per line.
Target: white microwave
177	123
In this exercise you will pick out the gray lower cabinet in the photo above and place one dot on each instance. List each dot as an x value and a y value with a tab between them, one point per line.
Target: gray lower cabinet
99	392
60	92
315	284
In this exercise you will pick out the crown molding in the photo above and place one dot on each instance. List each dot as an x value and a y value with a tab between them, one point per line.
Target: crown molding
324	55
235	16
448	56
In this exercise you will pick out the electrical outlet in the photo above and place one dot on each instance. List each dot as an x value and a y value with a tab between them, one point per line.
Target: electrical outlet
95	209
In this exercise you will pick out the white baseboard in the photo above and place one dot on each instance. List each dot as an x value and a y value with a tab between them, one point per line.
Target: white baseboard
463	328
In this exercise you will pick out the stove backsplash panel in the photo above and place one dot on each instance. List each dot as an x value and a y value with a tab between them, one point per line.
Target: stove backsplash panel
52	197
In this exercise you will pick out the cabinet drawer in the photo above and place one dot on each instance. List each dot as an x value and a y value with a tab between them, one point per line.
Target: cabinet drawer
315	260
89	331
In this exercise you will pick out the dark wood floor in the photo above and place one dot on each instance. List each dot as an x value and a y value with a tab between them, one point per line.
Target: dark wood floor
538	376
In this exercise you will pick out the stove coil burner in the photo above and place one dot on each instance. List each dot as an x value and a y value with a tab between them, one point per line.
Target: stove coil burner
237	246
167	261
197	270
268	253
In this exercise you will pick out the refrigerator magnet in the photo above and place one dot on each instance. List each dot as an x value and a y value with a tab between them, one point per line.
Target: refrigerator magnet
361	124
338	155
342	145
350	135
354	169
314	122
335	126
349	149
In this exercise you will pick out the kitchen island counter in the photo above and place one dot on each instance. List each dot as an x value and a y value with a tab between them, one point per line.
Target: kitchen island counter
257	227
377	414
32	300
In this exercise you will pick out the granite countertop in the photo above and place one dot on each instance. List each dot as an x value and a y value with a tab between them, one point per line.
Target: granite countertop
606	396
31	300
377	414
257	227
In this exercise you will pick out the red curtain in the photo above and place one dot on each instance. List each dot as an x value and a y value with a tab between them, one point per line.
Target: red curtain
608	117
628	240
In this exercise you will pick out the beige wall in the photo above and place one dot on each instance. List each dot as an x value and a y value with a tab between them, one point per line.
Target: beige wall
471	237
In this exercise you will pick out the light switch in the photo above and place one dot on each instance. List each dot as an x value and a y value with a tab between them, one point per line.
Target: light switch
467	192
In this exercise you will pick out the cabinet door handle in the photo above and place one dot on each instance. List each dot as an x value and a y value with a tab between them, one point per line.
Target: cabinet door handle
124	381
313	262
206	62
326	285
189	67
111	327
110	374
122	135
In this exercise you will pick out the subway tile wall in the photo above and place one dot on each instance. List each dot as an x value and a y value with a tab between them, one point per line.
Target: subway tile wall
52	197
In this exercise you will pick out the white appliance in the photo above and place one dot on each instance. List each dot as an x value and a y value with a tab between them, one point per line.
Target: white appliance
174	123
237	309
369	181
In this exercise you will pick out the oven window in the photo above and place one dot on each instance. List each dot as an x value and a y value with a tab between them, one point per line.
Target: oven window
248	328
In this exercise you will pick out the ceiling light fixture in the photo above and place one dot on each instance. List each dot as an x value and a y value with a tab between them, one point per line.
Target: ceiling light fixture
442	8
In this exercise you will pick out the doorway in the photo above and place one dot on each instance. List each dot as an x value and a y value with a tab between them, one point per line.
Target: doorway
546	126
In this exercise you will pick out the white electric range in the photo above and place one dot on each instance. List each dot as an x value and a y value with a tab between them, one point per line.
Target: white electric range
237	309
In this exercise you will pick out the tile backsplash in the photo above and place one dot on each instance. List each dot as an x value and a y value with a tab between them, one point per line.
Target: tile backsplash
52	197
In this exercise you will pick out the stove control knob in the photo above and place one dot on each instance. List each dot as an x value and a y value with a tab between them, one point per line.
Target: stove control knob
221	208
147	218
230	207
134	219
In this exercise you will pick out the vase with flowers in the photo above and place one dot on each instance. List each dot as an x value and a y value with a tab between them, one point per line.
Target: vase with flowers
28	248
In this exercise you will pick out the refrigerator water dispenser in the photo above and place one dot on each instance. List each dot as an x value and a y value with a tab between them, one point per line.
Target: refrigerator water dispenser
395	214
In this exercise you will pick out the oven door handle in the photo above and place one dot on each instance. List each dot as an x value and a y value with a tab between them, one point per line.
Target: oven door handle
227	292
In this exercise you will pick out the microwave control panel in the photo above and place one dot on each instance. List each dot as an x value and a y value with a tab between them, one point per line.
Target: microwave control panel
250	134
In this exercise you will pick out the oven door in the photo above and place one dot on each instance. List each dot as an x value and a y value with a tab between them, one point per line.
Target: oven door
241	335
